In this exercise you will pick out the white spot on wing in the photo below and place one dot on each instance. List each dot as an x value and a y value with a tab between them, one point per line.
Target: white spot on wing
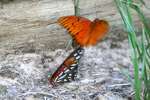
58	81
75	54
60	73
70	74
73	65
80	52
66	71
65	80
78	57
62	76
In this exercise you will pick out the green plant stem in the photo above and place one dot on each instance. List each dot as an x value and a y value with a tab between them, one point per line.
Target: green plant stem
76	7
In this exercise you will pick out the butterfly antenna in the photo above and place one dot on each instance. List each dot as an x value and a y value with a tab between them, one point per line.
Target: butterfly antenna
69	43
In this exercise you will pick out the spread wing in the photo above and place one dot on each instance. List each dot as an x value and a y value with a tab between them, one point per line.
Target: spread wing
77	26
99	28
83	31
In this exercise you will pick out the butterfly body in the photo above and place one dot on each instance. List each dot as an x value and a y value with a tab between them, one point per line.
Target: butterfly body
68	69
84	31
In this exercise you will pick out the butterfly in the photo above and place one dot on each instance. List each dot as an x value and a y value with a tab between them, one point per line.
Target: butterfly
67	71
84	31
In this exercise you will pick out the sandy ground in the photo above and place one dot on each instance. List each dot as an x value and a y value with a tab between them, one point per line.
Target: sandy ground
101	76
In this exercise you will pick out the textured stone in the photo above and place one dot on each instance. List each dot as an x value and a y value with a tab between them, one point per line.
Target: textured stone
27	26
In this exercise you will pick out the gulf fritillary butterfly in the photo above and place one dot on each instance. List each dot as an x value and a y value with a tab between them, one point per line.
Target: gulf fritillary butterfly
84	31
68	69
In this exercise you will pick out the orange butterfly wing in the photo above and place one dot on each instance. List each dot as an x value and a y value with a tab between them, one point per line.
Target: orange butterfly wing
99	28
74	24
84	31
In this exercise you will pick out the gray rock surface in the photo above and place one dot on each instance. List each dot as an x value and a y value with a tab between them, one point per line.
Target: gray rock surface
28	24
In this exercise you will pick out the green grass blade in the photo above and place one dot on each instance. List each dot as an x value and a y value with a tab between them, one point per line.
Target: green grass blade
135	50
